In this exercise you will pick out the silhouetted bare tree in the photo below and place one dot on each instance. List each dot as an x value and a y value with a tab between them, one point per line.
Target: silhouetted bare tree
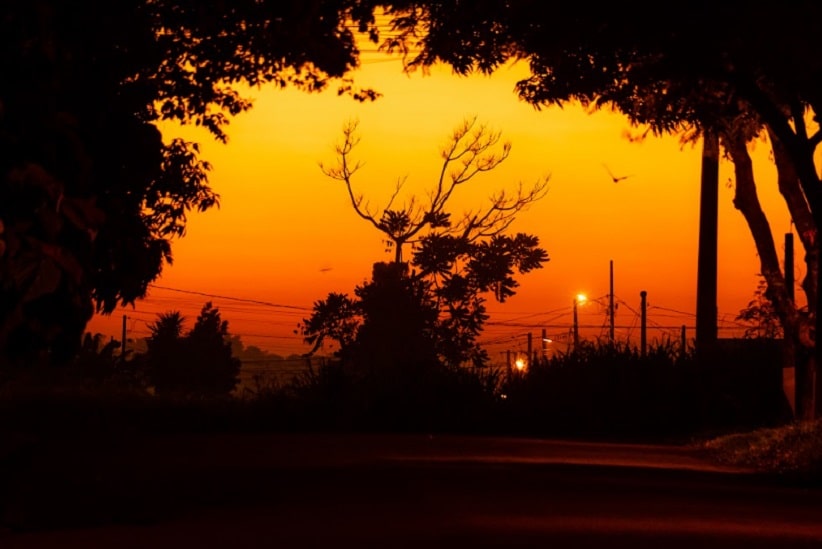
435	311
656	71
473	149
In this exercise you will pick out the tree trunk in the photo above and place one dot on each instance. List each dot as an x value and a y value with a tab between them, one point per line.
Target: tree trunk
747	202
789	187
800	211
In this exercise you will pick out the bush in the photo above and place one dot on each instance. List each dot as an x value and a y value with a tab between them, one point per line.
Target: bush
199	364
612	391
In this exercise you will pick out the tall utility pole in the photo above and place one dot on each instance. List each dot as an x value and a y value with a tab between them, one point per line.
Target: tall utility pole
643	325
123	344
706	274
544	344
611	306
576	324
530	348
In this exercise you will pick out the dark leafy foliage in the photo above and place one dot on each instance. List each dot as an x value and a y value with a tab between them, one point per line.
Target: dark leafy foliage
709	71
336	318
760	316
91	195
658	69
613	391
432	308
199	363
431	314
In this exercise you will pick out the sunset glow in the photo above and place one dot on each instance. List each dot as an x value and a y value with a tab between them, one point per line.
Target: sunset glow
285	234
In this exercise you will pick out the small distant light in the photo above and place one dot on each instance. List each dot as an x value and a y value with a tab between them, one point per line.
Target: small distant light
520	364
582	298
547	340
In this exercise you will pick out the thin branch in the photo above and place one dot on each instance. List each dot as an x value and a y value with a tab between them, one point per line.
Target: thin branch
344	171
501	212
475	149
400	183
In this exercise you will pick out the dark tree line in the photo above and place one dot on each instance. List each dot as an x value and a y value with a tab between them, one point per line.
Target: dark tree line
717	70
91	196
194	363
428	309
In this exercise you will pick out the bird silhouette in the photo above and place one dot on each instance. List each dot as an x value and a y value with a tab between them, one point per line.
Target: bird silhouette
615	178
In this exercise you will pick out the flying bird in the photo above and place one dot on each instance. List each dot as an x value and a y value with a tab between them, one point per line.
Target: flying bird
615	178
325	269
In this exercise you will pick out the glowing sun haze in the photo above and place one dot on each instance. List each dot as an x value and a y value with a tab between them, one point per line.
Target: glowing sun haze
286	234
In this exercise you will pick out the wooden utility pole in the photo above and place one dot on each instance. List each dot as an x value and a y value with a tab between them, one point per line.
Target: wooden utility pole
643	325
530	347
123	344
576	325
611	306
544	344
706	274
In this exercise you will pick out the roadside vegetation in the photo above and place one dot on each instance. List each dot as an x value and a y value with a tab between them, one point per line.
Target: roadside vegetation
790	451
599	391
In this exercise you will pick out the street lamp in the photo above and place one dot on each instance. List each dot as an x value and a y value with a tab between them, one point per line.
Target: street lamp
578	299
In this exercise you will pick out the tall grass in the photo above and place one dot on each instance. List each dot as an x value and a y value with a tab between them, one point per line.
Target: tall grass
598	390
609	390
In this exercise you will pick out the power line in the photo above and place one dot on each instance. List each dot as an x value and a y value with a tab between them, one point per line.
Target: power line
244	300
671	310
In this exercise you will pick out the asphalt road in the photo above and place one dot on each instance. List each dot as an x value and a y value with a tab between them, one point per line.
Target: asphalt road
393	491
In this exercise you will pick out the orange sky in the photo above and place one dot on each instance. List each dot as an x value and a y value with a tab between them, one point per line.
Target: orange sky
286	235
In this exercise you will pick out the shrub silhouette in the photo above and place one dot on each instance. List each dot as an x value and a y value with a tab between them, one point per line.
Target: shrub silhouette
198	364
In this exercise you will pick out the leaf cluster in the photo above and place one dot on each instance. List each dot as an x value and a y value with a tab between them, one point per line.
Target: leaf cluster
198	363
706	64
91	195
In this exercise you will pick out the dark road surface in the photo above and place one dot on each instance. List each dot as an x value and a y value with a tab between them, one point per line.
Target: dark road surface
238	491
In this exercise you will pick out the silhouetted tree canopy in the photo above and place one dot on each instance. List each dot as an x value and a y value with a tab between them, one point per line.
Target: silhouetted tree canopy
759	316
431	309
199	363
431	314
733	70
91	194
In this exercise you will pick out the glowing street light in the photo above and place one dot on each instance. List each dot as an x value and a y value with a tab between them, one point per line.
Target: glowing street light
520	364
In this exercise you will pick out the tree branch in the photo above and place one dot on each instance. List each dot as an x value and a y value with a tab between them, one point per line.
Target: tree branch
747	202
343	171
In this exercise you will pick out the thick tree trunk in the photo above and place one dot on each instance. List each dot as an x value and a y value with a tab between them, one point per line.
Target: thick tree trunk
789	187
792	132
747	202
800	211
